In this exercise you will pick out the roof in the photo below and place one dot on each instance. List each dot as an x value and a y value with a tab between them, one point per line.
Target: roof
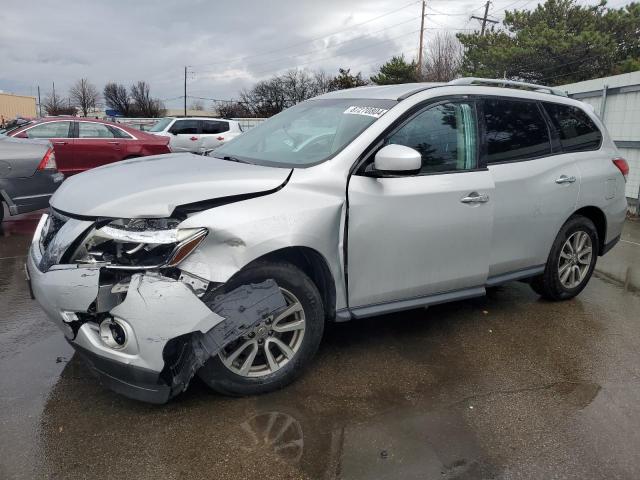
485	86
388	92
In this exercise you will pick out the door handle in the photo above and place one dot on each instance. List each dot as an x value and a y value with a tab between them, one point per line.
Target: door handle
193	138
564	179
59	143
114	143
475	197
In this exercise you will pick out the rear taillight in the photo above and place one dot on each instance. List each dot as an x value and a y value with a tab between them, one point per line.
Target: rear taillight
622	165
48	162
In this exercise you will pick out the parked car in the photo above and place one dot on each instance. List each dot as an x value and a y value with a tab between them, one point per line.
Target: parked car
28	175
418	194
14	124
196	134
84	143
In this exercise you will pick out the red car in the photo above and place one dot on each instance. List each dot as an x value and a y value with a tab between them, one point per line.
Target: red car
83	143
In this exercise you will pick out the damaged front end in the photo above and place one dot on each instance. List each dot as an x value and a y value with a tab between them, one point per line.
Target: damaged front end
116	290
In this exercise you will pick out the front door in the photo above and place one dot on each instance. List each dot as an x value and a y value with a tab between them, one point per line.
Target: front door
185	136
428	233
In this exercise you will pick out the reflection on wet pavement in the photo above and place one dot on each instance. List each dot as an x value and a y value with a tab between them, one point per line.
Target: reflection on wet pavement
502	387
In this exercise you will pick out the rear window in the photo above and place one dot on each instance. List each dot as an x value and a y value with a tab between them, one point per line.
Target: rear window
161	124
515	130
577	131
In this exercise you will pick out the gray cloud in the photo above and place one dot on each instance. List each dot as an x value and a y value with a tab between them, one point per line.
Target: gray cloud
230	45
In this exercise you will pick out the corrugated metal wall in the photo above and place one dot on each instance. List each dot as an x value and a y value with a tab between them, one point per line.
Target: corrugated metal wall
12	106
616	100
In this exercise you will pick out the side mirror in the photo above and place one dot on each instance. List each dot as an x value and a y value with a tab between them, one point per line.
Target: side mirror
398	159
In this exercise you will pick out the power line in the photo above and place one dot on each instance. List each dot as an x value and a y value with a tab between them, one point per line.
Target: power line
314	39
335	45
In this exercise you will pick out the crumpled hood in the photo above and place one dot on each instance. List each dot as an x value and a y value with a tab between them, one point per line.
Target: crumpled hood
154	186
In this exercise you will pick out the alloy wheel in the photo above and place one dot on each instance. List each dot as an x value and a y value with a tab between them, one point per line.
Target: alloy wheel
270	345
575	259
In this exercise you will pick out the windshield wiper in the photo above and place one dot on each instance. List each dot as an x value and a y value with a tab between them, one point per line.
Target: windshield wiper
232	159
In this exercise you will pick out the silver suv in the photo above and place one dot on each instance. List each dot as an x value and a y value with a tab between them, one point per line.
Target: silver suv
353	204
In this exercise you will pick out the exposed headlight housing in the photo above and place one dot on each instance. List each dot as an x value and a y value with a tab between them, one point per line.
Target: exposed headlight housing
134	244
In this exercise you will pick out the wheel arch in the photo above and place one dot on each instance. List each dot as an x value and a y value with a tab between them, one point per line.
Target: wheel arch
599	219
312	263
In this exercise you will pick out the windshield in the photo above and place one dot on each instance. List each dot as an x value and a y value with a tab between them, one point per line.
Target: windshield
160	125
306	134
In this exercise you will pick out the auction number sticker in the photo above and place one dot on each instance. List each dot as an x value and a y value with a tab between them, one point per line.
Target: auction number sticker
368	111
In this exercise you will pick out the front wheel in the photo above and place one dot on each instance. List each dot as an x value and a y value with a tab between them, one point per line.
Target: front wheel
278	349
571	261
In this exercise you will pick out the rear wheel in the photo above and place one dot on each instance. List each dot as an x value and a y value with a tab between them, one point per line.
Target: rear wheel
278	349
571	261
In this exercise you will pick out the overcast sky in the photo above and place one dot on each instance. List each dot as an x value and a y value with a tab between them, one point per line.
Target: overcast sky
227	45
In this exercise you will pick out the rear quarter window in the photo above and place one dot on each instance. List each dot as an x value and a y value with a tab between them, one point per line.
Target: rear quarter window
578	133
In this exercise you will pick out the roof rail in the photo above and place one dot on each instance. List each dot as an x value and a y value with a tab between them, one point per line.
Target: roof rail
494	82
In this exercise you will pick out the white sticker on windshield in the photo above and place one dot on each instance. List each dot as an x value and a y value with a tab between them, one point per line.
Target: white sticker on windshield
368	111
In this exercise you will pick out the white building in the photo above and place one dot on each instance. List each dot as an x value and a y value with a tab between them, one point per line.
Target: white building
617	100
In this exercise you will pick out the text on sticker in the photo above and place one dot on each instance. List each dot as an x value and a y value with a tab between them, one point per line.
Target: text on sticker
368	111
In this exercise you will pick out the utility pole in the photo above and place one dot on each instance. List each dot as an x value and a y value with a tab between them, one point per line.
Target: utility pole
424	3
39	103
185	91
484	19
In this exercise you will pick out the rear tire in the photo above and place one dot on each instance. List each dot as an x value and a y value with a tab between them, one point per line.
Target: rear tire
571	261
273	369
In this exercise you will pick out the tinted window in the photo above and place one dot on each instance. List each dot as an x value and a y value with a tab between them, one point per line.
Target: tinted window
214	126
445	135
184	127
49	130
94	130
515	131
577	131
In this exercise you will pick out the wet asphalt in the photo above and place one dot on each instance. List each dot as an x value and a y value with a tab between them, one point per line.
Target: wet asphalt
507	386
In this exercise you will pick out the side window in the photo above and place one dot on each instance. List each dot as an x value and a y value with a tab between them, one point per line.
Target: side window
49	130
515	130
214	126
117	133
445	135
93	130
578	133
184	127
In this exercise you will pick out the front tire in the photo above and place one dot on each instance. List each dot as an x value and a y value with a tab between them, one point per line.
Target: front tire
277	351
571	261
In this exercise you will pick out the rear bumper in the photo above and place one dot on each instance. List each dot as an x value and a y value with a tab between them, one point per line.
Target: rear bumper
27	194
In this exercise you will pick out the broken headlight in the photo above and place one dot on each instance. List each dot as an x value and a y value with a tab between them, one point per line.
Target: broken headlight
139	243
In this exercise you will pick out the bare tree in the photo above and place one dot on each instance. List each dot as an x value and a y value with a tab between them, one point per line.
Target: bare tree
117	98
442	59
57	105
232	109
197	105
84	95
144	104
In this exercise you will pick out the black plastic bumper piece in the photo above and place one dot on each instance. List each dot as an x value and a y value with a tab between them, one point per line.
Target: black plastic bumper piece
610	245
132	382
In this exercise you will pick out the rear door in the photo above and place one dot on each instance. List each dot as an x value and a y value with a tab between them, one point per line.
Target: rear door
536	188
185	135
60	133
95	145
214	133
426	233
